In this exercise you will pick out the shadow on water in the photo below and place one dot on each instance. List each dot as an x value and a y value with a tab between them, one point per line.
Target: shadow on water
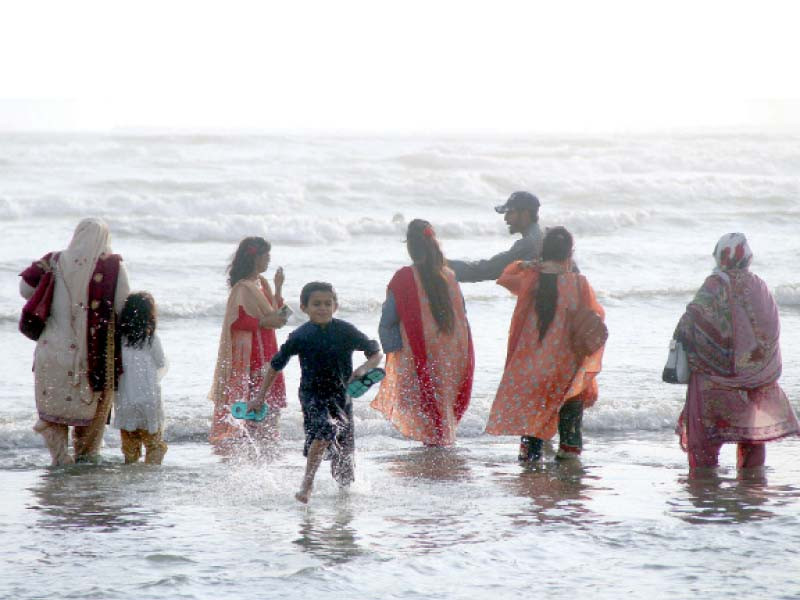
712	498
435	464
83	496
330	538
560	492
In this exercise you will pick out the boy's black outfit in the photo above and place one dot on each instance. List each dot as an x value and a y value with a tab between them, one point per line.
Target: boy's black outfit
326	364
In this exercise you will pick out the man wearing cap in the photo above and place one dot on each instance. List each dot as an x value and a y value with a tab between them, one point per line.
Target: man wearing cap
521	214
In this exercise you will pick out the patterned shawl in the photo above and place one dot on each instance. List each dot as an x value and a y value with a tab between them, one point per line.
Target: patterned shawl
731	327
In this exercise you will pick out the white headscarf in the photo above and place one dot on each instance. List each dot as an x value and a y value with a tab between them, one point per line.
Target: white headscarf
732	252
77	264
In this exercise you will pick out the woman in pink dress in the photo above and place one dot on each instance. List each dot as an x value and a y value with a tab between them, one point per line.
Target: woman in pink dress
247	343
426	338
731	333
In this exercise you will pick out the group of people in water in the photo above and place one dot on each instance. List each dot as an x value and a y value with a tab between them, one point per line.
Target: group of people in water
99	348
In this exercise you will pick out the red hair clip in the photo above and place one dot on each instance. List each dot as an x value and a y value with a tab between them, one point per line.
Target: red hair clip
428	232
251	251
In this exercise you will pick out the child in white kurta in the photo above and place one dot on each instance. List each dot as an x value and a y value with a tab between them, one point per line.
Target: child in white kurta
138	407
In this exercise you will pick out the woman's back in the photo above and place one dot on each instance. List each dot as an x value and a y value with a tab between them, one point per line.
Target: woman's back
553	349
430	361
541	372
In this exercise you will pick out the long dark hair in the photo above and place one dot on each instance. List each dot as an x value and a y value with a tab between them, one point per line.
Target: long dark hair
557	246
137	323
244	261
428	258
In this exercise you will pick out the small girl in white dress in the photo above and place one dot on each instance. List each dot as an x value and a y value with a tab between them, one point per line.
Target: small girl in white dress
138	409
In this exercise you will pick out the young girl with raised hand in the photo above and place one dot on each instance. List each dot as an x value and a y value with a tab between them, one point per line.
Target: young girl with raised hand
246	344
138	407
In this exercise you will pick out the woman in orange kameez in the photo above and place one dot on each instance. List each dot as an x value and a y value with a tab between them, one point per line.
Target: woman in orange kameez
545	386
247	343
426	338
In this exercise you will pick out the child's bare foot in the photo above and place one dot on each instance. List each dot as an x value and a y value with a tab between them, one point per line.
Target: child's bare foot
301	496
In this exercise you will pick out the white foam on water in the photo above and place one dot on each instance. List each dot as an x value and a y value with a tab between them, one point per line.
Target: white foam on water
645	212
787	295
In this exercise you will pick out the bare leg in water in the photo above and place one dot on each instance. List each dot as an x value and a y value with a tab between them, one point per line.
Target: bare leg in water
56	437
315	453
749	456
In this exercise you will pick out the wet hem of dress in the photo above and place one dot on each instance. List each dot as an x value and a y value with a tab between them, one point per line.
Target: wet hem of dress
732	438
65	421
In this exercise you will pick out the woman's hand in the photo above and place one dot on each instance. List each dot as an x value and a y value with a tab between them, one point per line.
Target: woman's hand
272	321
279	278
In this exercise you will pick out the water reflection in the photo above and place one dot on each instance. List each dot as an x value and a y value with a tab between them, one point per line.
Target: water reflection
83	496
559	491
330	539
716	499
445	477
437	464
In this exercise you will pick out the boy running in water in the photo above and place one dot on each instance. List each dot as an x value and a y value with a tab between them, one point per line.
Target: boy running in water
325	346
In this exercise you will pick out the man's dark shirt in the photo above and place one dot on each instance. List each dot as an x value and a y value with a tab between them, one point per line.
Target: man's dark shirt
529	247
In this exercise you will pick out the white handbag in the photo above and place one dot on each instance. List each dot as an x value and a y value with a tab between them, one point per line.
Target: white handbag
677	368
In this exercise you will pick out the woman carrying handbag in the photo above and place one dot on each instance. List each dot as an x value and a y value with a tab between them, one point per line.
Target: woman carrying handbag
77	361
555	351
731	333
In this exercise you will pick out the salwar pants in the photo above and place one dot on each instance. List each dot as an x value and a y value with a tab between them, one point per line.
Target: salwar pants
748	454
153	443
570	437
86	439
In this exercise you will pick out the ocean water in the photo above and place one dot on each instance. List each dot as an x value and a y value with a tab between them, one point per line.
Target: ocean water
646	212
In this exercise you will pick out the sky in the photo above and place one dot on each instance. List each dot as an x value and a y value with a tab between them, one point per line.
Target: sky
401	67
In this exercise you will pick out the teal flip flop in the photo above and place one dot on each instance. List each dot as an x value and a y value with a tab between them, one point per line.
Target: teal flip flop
358	387
239	411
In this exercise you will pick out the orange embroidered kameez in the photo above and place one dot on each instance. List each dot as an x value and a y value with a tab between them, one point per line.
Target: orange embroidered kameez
540	376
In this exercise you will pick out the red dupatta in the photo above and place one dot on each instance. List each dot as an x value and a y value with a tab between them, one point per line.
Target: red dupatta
406	296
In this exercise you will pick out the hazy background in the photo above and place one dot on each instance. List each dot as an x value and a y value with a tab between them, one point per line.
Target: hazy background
410	68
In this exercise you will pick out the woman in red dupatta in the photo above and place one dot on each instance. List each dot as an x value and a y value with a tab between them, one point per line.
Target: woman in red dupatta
731	332
545	386
425	335
246	344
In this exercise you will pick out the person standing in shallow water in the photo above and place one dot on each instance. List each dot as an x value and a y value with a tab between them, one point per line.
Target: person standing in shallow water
77	362
138	406
247	343
521	214
545	385
731	333
425	334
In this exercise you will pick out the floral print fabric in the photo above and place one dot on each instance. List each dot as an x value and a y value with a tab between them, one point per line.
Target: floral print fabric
449	361
541	375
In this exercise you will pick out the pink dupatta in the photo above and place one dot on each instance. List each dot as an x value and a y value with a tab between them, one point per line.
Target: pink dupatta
731	331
